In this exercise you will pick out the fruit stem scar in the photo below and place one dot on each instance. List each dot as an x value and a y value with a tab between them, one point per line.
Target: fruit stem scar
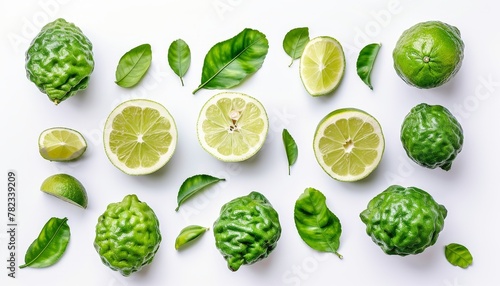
427	59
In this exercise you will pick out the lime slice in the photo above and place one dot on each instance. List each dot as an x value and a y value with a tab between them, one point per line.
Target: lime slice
322	65
61	144
232	126
140	136
348	144
66	188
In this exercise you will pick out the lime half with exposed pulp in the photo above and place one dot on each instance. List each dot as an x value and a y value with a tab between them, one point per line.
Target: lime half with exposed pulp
322	65
140	136
232	126
348	144
61	144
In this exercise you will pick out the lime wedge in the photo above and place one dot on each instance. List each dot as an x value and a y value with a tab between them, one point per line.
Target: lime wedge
322	65
232	126
140	136
61	144
66	188
348	144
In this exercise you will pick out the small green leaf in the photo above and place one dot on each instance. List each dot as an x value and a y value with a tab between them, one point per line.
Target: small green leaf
365	62
317	225
230	62
179	58
458	255
188	234
295	41
50	245
194	184
133	66
290	148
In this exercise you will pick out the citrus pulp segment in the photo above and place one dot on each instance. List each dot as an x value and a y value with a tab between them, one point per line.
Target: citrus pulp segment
348	144
61	144
140	136
232	126
322	65
66	188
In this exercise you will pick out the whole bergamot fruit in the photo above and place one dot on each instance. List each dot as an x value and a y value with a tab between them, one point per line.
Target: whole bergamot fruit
403	221
432	136
428	54
59	60
127	235
247	230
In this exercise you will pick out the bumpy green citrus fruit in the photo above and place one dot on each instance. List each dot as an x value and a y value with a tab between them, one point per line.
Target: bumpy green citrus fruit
403	221
247	230
432	136
127	235
428	54
59	60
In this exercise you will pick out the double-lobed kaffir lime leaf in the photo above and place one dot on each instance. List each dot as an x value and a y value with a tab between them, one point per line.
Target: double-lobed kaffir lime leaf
179	58
230	62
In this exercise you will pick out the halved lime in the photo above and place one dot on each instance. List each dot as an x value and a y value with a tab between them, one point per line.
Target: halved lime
322	65
348	144
140	136
61	144
66	188
232	126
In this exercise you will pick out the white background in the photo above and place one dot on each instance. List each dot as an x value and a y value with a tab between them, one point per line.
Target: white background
469	190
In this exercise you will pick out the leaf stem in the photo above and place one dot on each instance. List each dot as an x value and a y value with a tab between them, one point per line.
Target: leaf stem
339	255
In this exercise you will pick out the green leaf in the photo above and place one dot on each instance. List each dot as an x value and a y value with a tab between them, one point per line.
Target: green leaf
179	58
295	41
290	148
189	234
458	255
317	225
133	66
365	62
229	62
50	245
194	184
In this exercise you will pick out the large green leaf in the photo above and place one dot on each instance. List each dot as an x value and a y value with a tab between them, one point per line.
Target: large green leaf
229	62
50	245
317	225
